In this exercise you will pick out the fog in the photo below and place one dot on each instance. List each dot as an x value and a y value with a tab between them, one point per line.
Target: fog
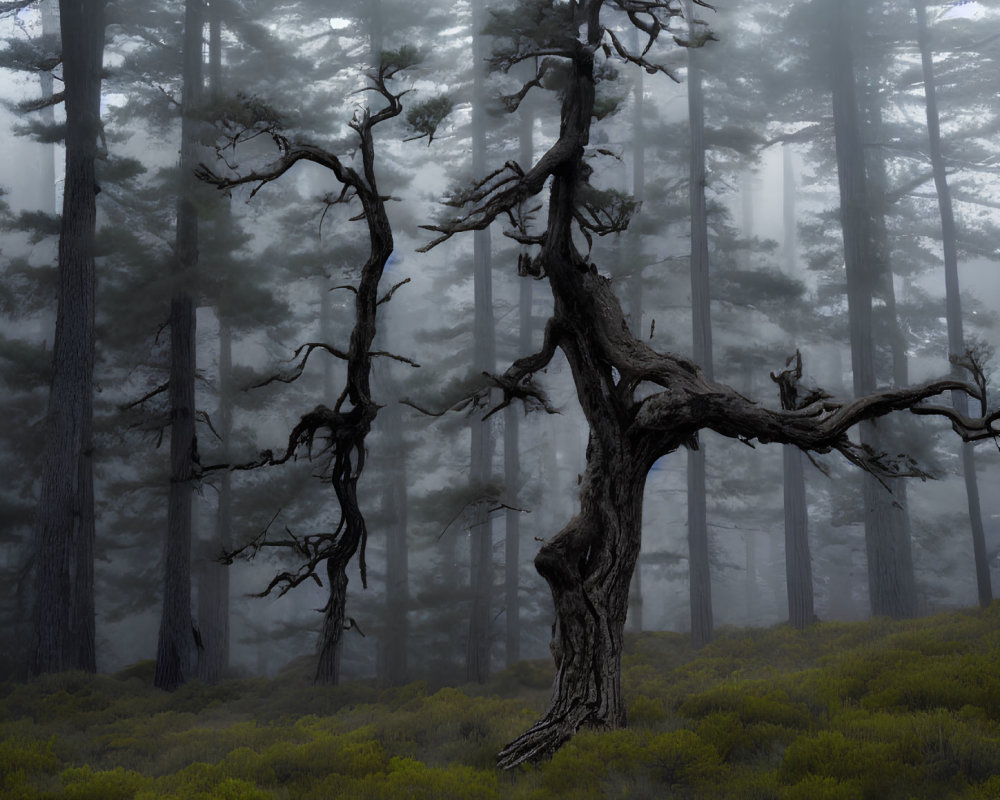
438	480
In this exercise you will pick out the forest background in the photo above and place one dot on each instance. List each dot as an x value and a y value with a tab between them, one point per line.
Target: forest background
777	285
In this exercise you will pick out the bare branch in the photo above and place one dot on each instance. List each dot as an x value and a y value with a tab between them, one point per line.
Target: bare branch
388	295
148	396
296	373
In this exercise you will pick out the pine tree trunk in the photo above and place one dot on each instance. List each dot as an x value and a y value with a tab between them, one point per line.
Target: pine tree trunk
890	574
477	659
64	636
328	664
213	579
702	625
953	301
798	561
173	652
635	288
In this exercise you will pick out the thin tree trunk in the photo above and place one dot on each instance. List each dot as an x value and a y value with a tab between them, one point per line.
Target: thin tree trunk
890	575
798	561
700	585
173	653
512	453
893	511
477	659
633	250
213	579
213	588
328	663
953	301
788	210
64	636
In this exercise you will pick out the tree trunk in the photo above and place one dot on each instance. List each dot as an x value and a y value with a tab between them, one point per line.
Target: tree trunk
64	636
511	427
798	561
588	566
213	584
634	255
890	575
477	660
953	301
702	626
328	663
173	652
213	588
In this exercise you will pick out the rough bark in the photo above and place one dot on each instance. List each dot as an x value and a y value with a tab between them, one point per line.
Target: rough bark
175	643
64	522
953	300
346	425
589	563
700	578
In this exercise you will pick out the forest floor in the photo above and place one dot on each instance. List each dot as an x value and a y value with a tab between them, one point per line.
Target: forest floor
877	709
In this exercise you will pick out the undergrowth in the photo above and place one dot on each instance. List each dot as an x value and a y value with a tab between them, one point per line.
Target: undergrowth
841	711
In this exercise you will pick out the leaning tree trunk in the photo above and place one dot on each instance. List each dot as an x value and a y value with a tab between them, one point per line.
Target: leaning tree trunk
700	586
953	300
64	635
173	651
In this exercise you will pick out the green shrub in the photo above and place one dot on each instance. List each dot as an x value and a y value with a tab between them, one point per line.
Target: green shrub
815	787
681	757
21	759
83	783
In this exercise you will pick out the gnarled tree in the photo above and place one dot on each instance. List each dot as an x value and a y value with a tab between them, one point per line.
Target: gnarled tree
345	425
640	404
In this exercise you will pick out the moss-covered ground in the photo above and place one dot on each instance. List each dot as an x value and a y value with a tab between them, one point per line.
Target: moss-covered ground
876	711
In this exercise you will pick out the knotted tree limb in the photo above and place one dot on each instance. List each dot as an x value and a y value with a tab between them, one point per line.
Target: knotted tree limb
344	426
640	404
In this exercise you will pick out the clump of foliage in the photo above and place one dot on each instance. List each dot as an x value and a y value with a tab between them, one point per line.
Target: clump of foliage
862	710
424	118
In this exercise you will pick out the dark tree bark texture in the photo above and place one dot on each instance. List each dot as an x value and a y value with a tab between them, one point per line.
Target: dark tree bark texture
588	564
64	521
346	425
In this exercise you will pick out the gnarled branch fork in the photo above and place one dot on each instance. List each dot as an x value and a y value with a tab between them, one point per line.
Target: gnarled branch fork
346	425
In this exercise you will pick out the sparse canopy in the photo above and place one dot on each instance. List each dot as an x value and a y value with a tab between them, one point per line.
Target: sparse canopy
640	403
345	426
